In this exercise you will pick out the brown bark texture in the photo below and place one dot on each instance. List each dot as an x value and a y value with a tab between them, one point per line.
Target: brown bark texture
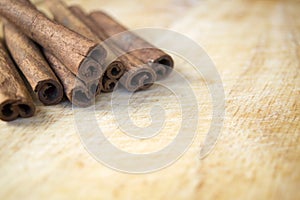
71	48
138	76
31	62
113	67
15	99
160	61
75	89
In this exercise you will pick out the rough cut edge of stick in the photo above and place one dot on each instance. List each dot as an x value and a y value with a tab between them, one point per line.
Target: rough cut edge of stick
161	62
15	98
75	90
33	65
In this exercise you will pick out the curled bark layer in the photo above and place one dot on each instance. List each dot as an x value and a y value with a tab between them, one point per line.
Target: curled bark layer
71	48
113	67
33	65
161	62
108	84
138	76
94	87
15	99
75	90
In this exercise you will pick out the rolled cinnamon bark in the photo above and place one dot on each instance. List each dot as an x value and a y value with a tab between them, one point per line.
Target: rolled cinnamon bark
113	67
15	99
75	90
115	70
94	87
138	76
118	70
72	49
108	84
161	62
33	65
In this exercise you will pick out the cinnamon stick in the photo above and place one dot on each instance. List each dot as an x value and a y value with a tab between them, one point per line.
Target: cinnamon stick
72	49
33	65
75	90
161	62
94	87
114	68
15	99
108	84
138	76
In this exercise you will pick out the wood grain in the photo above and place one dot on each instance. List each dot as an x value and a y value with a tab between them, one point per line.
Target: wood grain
255	46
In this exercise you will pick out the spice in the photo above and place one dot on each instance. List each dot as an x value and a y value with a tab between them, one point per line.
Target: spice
72	49
75	90
138	76
94	87
114	68
33	65
108	84
161	62
15	99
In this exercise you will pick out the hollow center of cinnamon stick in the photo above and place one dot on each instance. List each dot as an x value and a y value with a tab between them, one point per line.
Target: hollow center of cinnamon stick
7	111
115	71
91	71
165	62
50	94
24	109
162	66
142	79
112	85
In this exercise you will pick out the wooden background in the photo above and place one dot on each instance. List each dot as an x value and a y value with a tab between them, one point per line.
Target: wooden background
255	46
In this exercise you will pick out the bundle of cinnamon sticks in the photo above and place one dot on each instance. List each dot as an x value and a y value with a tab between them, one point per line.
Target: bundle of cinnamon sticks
69	54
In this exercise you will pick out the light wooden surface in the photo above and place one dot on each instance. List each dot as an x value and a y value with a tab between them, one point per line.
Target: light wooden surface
255	46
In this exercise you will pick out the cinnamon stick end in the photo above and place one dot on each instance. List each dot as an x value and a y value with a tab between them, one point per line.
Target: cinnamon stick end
50	92
115	70
139	79
11	110
81	97
163	66
94	88
90	70
108	84
98	53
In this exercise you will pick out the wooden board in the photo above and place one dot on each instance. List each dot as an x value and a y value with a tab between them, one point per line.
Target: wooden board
255	46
